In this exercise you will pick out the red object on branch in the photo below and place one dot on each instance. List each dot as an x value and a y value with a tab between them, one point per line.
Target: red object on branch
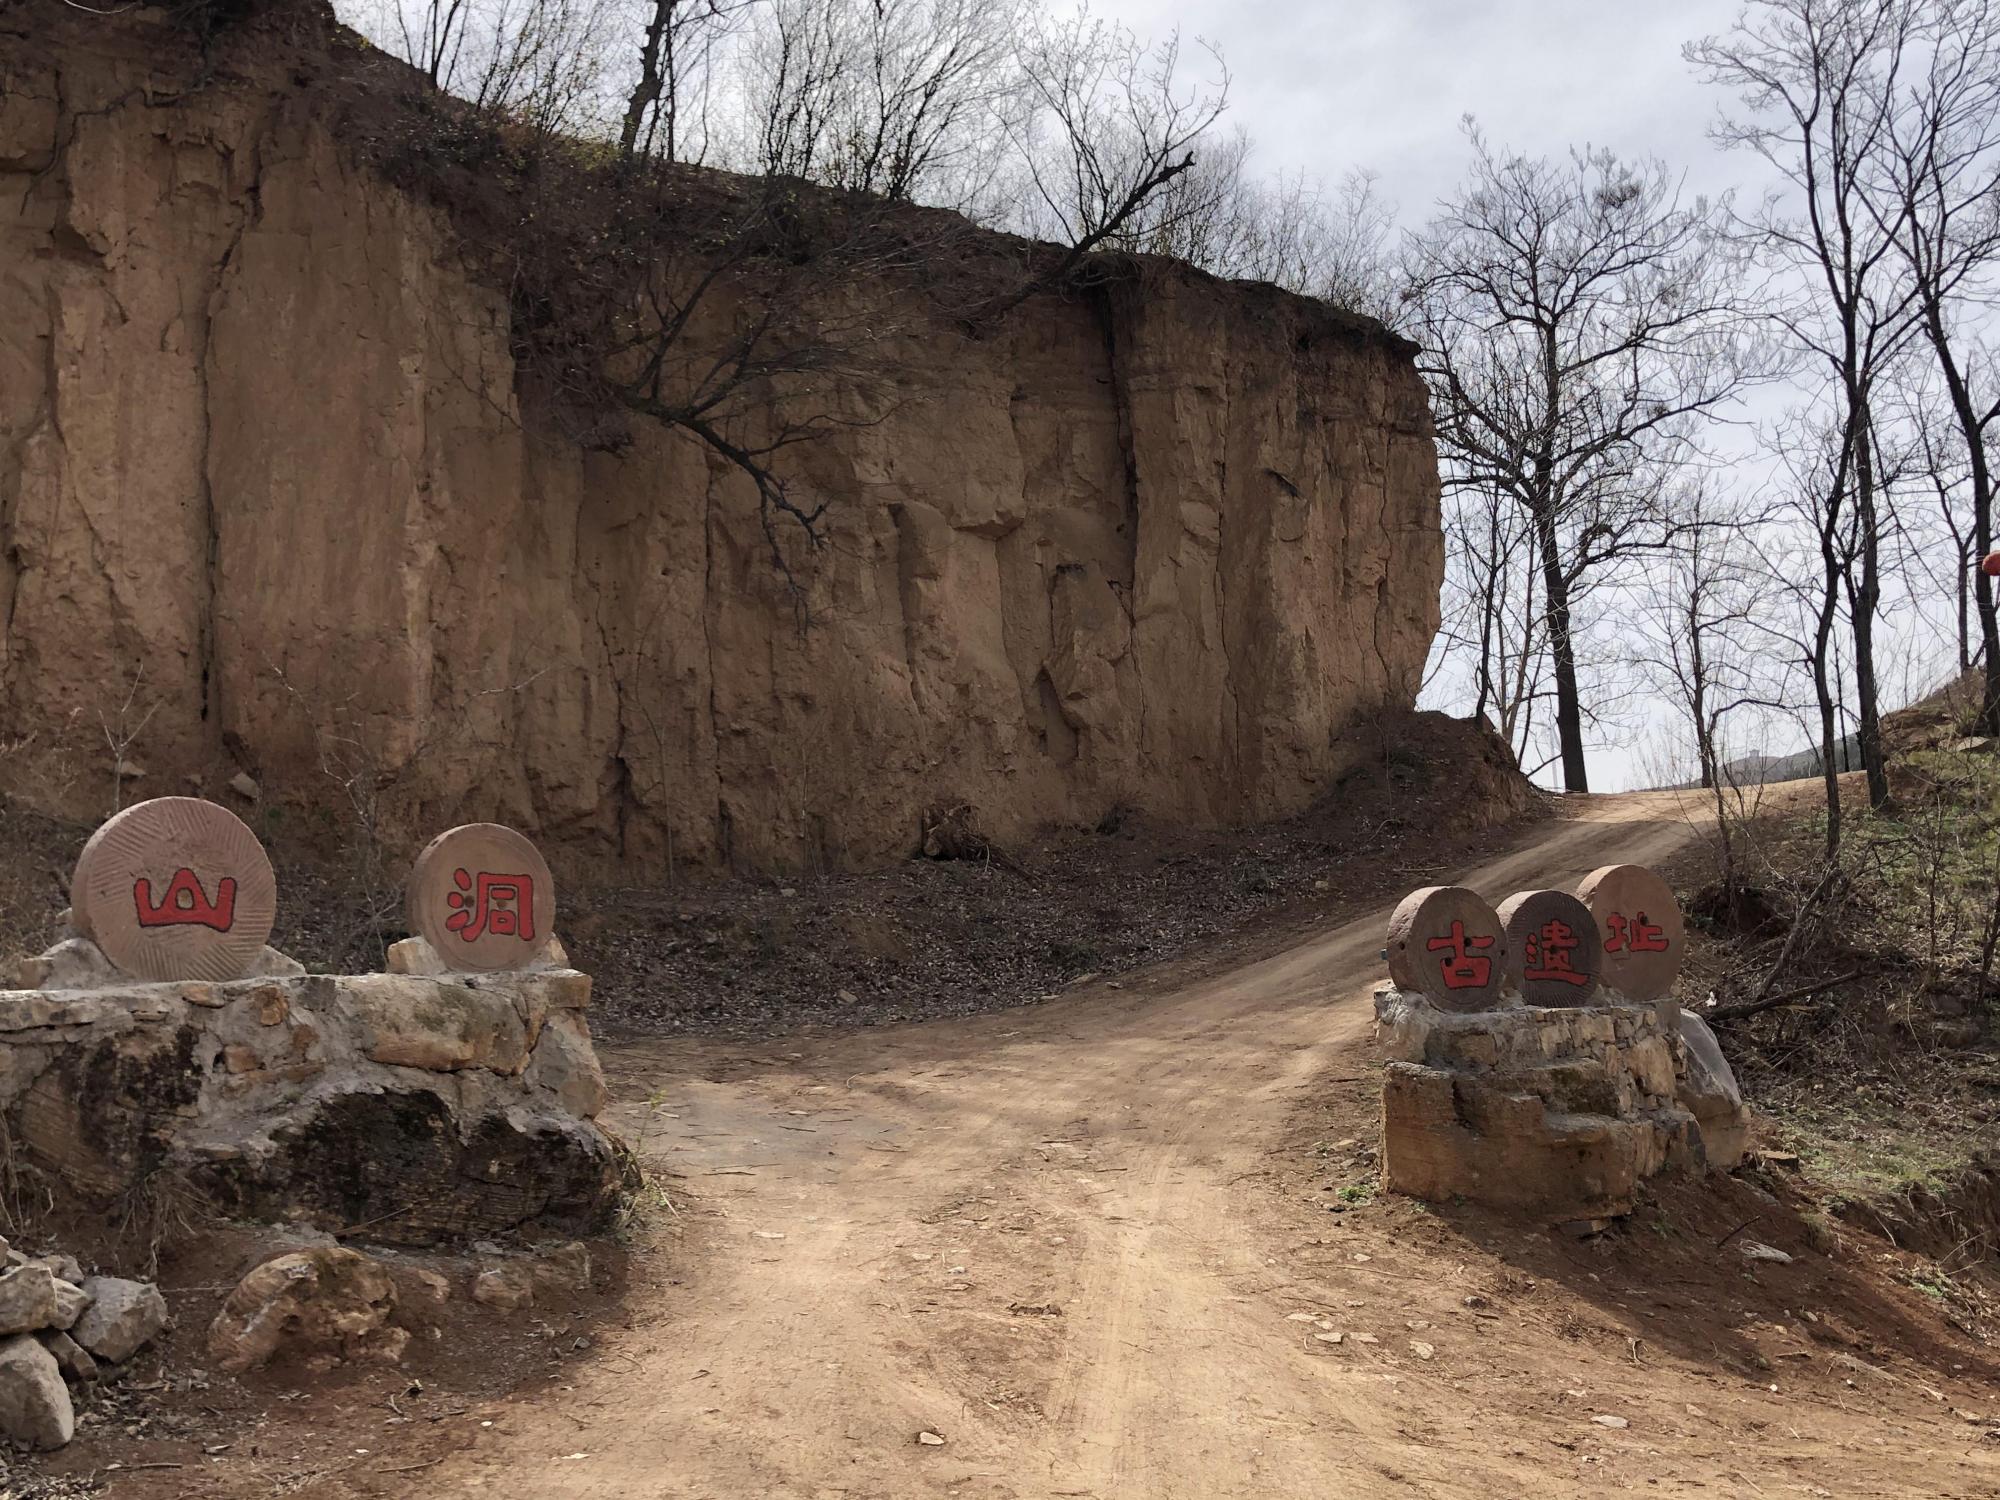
1990	565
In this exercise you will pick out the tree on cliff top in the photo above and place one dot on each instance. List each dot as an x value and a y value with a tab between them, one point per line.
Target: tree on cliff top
1576	320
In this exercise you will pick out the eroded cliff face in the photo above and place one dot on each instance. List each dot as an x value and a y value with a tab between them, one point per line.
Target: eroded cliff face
269	497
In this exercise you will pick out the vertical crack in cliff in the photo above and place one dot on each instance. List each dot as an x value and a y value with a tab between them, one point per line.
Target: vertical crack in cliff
208	607
906	602
723	831
1240	795
1105	298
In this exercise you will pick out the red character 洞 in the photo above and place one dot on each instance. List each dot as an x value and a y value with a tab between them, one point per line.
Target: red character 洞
499	904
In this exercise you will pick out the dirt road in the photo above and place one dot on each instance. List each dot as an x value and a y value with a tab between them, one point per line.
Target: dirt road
1074	1242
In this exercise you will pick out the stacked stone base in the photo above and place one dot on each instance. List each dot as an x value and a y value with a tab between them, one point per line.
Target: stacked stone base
1556	1113
410	1109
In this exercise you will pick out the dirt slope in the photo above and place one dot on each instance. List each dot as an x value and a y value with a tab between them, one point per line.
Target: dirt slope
1068	1241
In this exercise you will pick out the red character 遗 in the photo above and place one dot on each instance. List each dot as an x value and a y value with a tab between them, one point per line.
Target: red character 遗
185	903
1463	967
1633	935
500	904
1548	955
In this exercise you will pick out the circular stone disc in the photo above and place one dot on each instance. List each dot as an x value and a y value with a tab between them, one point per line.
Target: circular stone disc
482	896
1446	943
175	888
1553	950
1640	925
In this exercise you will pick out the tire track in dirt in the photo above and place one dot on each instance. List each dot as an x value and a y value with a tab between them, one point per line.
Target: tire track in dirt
1106	1154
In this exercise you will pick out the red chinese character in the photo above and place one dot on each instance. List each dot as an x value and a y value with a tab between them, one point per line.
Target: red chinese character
1548	954
1462	969
501	904
1634	935
185	903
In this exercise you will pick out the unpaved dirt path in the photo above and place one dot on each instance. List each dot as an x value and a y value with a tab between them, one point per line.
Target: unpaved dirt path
1054	1237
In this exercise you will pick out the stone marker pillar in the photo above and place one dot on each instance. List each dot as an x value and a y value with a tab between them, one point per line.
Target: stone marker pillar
1557	1107
1448	945
1553	950
481	895
175	888
1639	923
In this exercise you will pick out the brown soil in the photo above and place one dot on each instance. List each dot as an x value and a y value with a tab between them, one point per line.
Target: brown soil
1092	1246
923	939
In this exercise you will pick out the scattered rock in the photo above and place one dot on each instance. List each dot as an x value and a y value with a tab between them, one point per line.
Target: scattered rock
122	1318
27	1299
328	1305
508	1286
35	1408
1608	1421
71	1303
1422	1350
1330	1338
1754	1250
62	1267
566	1269
73	1359
930	1439
245	786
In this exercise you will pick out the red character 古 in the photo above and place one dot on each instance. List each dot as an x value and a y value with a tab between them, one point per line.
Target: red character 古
1463	967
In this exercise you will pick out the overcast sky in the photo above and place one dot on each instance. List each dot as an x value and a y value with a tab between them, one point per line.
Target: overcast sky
1327	85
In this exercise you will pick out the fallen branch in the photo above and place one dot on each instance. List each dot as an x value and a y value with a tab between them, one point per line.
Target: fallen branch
1772	1002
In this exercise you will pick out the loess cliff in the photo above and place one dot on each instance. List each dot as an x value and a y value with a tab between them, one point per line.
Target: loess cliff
272	500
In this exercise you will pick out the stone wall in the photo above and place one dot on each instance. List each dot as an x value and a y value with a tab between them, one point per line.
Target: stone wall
1555	1113
268	487
409	1108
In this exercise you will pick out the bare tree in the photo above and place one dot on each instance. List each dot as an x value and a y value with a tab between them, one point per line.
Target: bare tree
677	49
1935	190
539	62
1819	82
1577	321
1492	619
431	33
1705	614
1110	125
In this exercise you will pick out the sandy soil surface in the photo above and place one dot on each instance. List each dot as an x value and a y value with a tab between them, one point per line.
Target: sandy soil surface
1099	1248
1063	1241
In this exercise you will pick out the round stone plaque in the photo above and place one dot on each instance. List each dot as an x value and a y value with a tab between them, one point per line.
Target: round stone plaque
1553	950
175	888
481	895
1447	944
1639	923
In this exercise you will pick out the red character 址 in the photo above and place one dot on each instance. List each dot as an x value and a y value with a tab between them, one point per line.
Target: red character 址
1463	967
1634	935
499	904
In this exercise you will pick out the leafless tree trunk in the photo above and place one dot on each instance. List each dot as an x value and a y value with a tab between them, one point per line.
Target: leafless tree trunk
1935	188
1820	82
677	40
1110	126
1577	322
